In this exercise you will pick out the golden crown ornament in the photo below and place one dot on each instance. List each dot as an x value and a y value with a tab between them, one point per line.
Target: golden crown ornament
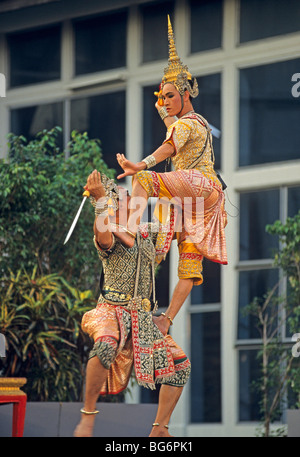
176	73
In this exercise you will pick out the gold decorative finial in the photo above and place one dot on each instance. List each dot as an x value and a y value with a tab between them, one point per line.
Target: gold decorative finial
177	73
172	49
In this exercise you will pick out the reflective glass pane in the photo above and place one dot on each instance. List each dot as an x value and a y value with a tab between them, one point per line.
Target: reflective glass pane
257	209
267	18
269	114
102	117
205	399
33	119
210	290
34	56
249	372
204	13
155	31
293	201
253	284
100	43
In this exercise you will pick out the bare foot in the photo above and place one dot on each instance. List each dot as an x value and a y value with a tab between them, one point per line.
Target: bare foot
85	427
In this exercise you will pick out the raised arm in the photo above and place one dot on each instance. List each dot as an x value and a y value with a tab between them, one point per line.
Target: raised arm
102	229
130	168
167	120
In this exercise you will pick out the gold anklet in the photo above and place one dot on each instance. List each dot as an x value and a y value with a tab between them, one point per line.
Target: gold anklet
157	423
83	411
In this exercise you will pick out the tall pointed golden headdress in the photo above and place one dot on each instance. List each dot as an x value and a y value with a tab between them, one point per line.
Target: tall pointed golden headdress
177	73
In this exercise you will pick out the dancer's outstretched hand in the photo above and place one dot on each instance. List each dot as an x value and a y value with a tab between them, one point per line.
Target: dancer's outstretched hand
129	168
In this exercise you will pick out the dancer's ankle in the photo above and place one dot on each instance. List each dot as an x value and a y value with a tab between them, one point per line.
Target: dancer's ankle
159	430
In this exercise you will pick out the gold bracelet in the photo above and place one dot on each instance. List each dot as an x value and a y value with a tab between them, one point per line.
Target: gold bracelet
83	411
163	113
150	161
101	207
168	317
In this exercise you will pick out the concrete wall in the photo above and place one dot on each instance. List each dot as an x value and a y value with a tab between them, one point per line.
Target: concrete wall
60	419
293	421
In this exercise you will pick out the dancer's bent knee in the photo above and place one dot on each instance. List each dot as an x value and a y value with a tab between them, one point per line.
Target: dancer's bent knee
105	348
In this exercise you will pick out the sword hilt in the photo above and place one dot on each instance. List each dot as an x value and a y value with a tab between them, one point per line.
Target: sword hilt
86	193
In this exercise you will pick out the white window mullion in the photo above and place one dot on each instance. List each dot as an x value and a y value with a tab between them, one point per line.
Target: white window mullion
4	112
282	290
66	125
230	25
134	93
181	27
229	161
67	52
67	73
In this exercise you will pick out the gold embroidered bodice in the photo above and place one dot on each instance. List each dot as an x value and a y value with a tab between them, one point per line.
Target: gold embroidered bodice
188	136
120	269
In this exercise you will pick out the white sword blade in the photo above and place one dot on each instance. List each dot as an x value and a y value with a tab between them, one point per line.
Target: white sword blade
75	220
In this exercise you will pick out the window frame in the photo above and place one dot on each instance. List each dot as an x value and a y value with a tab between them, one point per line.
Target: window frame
258	265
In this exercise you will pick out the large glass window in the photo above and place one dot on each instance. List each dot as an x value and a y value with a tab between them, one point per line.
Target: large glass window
33	119
257	209
100	43
249	398
210	289
252	284
206	372
293	201
155	30
206	24
34	56
269	114
257	276
267	18
103	117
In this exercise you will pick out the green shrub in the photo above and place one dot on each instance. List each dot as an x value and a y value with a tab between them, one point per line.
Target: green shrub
40	319
40	194
46	286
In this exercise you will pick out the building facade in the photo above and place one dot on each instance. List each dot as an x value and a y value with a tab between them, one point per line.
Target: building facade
93	66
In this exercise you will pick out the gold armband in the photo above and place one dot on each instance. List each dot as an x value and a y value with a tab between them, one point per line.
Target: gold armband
149	161
163	113
101	207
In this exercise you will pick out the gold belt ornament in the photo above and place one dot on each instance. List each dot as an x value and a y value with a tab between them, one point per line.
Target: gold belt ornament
116	296
137	303
140	303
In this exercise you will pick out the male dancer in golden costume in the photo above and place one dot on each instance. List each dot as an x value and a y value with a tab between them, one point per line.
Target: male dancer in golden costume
188	144
122	325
